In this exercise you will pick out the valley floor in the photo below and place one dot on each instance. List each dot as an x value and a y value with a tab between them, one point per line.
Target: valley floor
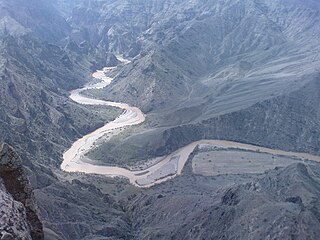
158	171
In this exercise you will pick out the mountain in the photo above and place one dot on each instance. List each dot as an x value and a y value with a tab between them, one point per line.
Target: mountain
206	47
239	70
36	113
38	119
281	204
36	17
215	59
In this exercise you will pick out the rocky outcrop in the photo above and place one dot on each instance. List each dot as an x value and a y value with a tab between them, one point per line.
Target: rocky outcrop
19	192
13	219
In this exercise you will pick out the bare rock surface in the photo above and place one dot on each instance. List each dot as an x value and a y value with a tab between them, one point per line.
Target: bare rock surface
15	182
13	219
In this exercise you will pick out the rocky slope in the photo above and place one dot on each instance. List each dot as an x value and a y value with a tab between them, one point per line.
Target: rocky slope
40	121
13	220
288	122
79	210
19	219
36	114
36	17
212	55
281	204
222	70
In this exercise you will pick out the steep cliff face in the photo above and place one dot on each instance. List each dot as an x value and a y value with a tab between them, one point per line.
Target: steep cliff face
17	185
13	220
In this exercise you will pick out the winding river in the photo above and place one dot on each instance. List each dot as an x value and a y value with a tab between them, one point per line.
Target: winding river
74	159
